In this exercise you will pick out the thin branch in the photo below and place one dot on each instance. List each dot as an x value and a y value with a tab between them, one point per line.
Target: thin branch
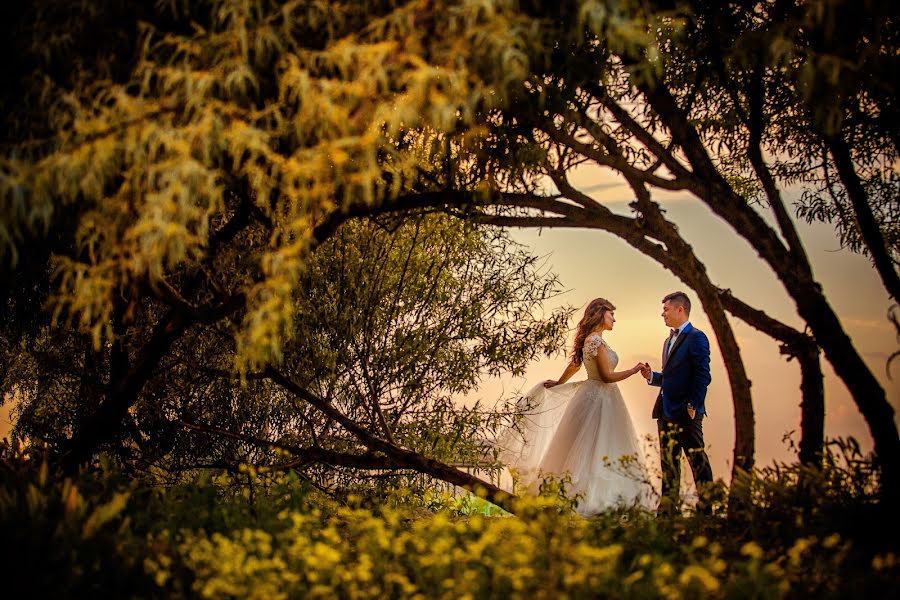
756	125
620	165
367	461
404	457
663	154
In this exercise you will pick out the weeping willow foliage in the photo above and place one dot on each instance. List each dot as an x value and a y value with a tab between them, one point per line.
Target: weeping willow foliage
309	107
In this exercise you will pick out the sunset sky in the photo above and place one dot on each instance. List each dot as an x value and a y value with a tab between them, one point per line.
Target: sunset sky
594	263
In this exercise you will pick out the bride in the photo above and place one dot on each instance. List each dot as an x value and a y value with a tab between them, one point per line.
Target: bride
582	429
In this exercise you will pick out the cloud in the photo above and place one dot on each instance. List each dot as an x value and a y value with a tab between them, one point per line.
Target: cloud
865	323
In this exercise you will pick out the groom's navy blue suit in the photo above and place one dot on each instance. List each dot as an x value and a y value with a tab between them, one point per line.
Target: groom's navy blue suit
683	379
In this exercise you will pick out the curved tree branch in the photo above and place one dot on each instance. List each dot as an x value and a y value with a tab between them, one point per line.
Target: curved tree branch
403	457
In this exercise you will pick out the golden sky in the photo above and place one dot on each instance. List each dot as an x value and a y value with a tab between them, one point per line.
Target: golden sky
594	263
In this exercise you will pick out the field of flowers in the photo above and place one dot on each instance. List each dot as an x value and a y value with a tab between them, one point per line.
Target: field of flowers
797	534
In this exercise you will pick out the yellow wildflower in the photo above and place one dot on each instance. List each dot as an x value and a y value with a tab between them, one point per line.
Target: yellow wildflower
697	573
795	553
664	571
886	561
752	550
633	578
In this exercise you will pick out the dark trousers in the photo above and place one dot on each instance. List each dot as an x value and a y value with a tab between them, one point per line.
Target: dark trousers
674	436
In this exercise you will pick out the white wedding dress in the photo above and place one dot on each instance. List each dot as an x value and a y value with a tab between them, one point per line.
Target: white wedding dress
583	429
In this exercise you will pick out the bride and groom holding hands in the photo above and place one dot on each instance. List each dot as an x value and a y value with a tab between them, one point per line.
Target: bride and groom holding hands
584	429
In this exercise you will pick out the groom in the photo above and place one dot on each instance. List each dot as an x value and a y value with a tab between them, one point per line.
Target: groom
680	405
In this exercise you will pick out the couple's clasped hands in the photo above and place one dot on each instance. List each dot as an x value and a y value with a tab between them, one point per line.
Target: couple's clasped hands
644	369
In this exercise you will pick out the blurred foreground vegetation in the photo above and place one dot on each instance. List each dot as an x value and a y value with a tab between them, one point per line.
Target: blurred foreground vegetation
798	532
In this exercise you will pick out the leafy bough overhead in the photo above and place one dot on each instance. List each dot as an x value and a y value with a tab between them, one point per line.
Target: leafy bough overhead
188	162
305	107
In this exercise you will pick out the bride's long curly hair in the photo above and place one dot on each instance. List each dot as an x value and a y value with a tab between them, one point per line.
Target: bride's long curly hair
593	316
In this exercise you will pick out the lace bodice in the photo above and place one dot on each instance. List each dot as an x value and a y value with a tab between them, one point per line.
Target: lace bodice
592	345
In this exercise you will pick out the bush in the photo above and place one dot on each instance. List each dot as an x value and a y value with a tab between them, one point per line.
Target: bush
65	538
799	532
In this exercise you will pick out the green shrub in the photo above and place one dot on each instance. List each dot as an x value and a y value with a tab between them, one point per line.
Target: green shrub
799	532
65	538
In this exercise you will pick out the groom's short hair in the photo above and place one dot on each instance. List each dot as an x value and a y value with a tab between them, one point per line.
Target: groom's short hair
679	299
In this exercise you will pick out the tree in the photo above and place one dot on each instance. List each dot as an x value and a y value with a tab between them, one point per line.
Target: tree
390	319
202	173
296	117
690	96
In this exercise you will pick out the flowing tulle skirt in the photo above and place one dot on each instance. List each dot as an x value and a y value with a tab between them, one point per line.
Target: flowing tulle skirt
582	429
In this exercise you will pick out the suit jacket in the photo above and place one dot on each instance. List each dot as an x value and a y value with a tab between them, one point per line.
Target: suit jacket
685	376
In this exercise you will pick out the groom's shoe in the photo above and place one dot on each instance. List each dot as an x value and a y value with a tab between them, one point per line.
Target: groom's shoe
705	499
668	508
703	508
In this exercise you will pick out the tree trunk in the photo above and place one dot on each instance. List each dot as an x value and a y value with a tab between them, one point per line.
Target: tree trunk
868	226
812	408
744	418
123	390
796	276
794	344
867	392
